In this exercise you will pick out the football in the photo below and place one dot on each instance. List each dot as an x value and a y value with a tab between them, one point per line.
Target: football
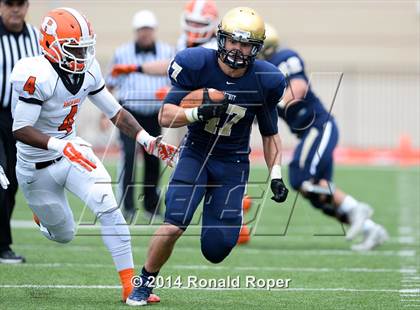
195	98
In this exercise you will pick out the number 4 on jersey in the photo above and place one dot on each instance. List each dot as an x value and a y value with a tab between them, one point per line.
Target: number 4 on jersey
30	85
67	124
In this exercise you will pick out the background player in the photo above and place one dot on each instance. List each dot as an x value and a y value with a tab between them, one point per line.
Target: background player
214	161
198	22
311	169
48	91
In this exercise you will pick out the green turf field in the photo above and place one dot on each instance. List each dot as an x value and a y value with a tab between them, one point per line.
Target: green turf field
296	243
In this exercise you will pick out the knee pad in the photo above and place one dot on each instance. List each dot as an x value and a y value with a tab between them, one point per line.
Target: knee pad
217	243
114	224
62	233
63	236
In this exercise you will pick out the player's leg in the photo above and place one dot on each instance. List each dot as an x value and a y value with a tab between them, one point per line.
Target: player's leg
222	210
151	167
185	191
127	177
7	197
44	192
312	162
95	190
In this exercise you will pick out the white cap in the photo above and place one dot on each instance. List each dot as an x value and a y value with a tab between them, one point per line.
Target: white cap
144	18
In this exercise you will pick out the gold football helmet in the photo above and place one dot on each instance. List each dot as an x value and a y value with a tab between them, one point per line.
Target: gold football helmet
244	25
271	42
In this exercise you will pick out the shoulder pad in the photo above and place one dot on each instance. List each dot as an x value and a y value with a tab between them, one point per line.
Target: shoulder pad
40	72
270	76
95	71
185	69
193	58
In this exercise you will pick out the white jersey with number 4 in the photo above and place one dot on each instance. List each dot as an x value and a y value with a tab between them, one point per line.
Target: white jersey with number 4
36	81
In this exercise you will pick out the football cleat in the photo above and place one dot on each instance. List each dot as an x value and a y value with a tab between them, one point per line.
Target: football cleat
357	217
153	298
376	236
244	235
139	296
246	203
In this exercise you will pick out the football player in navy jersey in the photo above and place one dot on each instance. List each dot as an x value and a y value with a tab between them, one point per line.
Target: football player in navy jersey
214	163
311	169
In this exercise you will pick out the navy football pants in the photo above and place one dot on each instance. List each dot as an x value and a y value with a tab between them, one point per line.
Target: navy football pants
221	182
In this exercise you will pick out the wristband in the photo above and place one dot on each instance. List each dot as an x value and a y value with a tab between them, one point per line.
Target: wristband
55	144
281	104
275	172
191	114
144	138
139	69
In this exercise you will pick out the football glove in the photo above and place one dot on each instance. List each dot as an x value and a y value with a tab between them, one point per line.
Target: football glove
209	109
124	69
4	182
279	190
75	151
156	147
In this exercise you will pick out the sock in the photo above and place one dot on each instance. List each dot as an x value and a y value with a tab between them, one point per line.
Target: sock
368	225
125	277
146	275
116	237
348	204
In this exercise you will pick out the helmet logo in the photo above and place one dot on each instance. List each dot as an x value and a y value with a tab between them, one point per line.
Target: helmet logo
241	35
49	26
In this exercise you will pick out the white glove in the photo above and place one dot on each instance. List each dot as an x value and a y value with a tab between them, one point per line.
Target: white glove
73	151
155	146
4	182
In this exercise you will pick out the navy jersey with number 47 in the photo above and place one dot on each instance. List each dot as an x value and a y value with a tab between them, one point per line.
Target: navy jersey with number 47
254	95
308	112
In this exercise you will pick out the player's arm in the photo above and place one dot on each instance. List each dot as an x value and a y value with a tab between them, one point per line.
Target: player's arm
157	67
267	123
295	91
25	116
172	115
126	122
297	88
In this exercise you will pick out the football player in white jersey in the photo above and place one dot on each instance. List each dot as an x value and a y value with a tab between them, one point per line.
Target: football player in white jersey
48	92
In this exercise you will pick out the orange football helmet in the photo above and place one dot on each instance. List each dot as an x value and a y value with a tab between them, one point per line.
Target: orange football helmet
199	21
67	38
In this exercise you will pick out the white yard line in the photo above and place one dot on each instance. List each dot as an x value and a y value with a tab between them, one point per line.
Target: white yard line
236	268
299	289
247	250
407	188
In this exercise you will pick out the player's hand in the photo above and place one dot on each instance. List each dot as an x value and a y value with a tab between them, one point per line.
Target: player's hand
4	182
155	146
210	109
279	190
75	151
123	69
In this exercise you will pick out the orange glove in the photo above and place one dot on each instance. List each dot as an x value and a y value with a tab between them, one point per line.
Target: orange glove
124	69
161	93
73	150
155	146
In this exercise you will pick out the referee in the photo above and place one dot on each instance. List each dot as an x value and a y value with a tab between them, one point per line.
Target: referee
17	40
136	92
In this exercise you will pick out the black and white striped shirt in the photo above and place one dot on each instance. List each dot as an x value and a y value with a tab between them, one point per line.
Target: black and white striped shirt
137	91
14	46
